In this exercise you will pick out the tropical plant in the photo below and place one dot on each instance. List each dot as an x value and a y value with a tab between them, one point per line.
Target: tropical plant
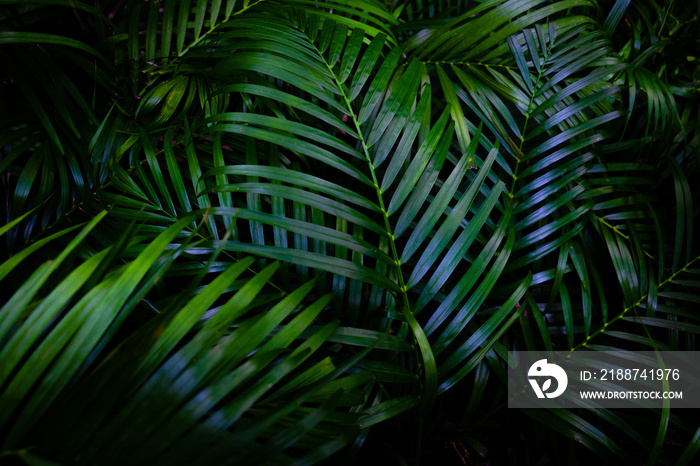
283	231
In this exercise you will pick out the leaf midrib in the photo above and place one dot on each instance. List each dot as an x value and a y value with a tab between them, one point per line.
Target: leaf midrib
428	359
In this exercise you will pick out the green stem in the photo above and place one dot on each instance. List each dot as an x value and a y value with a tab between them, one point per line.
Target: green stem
212	29
426	361
612	227
629	308
522	134
465	63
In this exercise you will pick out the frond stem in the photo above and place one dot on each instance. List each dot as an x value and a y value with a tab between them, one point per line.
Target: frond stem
425	358
629	308
465	63
212	29
522	134
612	227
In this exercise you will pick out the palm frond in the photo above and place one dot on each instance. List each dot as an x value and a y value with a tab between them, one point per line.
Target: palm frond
226	345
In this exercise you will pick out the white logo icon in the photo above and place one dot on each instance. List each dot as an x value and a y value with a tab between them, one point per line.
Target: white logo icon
542	369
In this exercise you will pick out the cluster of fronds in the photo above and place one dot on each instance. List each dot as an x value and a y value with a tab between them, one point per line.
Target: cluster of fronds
278	231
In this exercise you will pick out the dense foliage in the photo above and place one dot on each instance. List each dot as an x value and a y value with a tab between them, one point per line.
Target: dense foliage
282	231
